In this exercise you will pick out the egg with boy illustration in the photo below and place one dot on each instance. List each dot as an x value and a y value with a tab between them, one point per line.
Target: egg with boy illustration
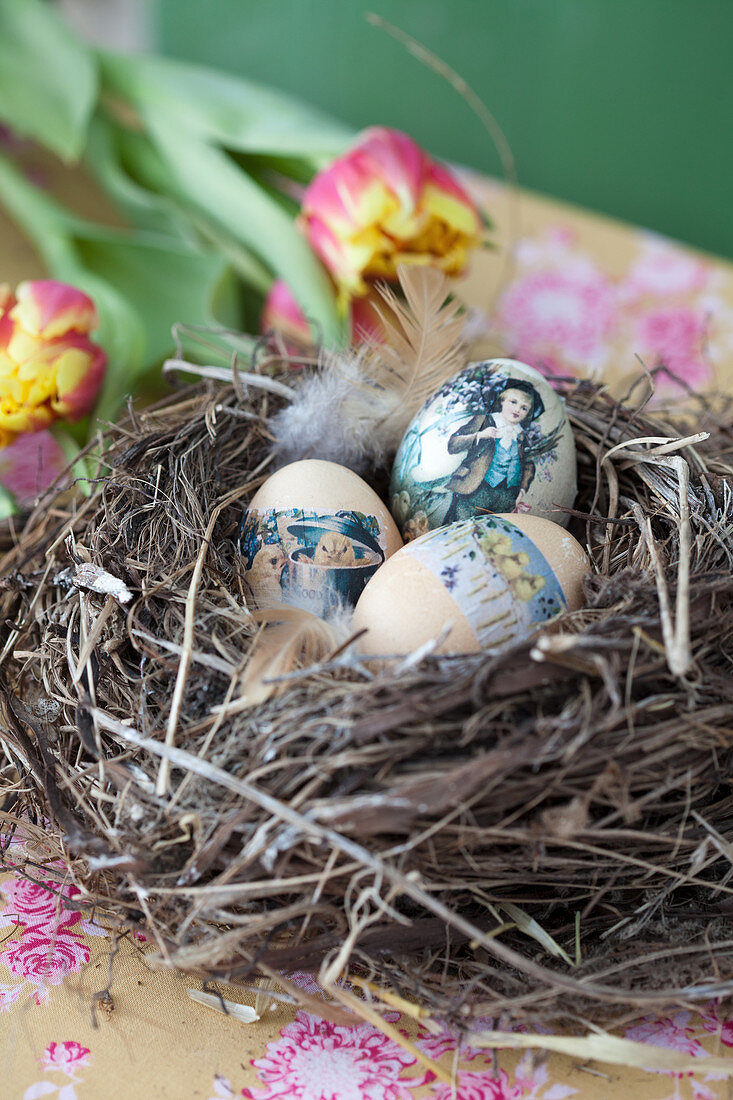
495	438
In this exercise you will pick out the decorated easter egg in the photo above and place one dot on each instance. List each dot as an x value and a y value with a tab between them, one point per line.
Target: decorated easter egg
496	438
312	536
478	584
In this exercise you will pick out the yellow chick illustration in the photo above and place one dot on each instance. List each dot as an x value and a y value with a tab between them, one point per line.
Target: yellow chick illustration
526	586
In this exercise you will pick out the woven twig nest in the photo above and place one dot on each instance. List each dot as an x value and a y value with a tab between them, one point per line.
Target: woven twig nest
541	834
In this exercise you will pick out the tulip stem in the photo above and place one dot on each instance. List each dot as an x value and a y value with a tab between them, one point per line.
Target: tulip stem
8	504
80	464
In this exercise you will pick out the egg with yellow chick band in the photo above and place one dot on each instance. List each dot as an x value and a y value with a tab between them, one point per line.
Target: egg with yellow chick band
312	536
478	584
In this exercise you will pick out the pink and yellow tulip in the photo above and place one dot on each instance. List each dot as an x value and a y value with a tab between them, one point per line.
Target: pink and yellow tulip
384	203
281	313
49	368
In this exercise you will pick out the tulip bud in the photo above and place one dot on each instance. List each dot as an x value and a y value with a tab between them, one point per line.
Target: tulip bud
49	368
30	464
281	313
384	203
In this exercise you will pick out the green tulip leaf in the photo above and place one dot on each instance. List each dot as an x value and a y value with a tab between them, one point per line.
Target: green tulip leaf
205	176
216	346
143	207
224	109
137	150
141	283
165	281
120	333
251	270
48	79
52	228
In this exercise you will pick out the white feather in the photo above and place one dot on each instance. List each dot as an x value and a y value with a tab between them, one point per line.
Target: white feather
355	408
335	415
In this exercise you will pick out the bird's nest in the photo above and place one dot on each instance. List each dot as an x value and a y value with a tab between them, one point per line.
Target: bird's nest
544	834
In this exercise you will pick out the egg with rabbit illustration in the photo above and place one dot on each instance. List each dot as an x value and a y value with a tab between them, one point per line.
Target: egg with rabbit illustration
479	584
496	438
312	536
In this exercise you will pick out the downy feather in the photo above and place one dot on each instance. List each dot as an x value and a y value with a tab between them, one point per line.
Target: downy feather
355	408
289	639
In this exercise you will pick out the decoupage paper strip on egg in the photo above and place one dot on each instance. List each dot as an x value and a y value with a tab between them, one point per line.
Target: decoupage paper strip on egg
310	559
495	574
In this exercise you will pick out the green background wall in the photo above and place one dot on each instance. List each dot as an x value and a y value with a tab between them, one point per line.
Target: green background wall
622	106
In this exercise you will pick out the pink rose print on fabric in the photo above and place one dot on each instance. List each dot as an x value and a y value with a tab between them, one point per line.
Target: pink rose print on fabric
564	315
37	903
672	1032
49	946
529	1081
677	1032
663	270
559	319
480	1086
437	1044
315	1059
66	1058
720	1026
675	337
45	961
318	1060
445	1041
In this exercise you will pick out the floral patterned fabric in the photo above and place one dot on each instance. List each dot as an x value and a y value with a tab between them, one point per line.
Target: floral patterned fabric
84	1016
59	1045
587	297
562	314
47	944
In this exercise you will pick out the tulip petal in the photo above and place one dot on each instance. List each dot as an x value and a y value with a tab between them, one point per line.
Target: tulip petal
340	255
439	181
7	301
397	160
48	309
15	419
385	202
449	215
78	381
282	313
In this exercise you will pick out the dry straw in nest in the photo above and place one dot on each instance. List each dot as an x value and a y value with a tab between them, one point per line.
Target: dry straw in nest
544	835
